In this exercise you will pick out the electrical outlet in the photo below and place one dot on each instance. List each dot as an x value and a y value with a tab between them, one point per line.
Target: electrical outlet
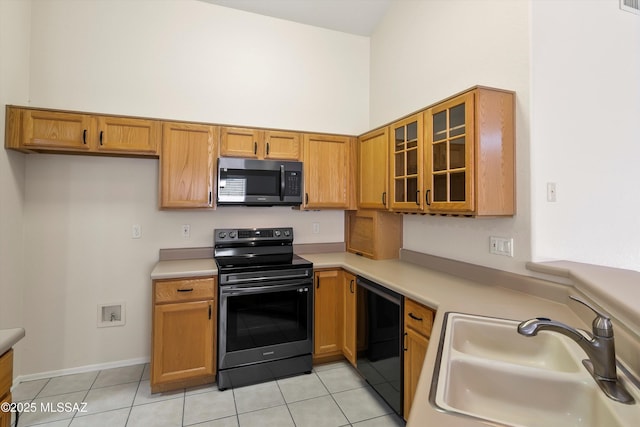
186	231
501	246
136	231
316	228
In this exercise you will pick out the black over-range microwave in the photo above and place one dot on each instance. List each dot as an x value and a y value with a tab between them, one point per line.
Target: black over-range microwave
252	182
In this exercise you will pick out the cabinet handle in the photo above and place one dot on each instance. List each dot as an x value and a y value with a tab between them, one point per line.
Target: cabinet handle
404	342
418	197
84	137
185	290
209	311
426	197
384	198
306	198
101	137
351	286
255	147
210	197
267	148
414	317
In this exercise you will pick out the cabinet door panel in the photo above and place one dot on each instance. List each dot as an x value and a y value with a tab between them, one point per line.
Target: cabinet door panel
240	142
328	315
349	318
126	135
56	130
373	170
183	341
282	145
186	166
450	155
406	155
327	171
415	352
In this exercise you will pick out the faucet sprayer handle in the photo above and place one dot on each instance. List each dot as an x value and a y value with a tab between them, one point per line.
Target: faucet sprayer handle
602	326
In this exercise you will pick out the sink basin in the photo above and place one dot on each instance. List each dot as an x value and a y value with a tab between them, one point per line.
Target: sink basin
498	339
487	371
513	398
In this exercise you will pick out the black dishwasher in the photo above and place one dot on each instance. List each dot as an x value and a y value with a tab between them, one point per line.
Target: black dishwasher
379	333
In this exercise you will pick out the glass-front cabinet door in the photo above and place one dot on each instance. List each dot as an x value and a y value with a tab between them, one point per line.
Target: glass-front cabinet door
449	155
406	163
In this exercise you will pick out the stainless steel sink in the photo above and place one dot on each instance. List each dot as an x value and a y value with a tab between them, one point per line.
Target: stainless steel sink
486	371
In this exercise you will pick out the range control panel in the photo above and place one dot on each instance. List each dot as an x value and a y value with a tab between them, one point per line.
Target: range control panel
252	234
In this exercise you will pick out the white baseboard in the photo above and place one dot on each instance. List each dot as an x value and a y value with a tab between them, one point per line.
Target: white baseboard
79	370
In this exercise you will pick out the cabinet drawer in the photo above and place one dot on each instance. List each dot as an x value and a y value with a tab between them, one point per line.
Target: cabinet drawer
184	290
418	317
6	372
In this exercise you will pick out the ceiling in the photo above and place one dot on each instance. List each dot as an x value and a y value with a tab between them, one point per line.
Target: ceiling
349	16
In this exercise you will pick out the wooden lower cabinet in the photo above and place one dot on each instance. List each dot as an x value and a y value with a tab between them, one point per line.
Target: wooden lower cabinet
184	333
5	417
6	379
349	325
418	321
328	313
334	335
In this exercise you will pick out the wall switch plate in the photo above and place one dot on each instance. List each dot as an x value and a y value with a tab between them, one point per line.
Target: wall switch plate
316	228
186	231
501	246
136	231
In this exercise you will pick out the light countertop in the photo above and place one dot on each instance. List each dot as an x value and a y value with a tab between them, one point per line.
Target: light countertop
440	291
9	337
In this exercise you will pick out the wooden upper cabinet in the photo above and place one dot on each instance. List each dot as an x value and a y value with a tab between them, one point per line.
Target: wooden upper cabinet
259	144
328	171
373	169
128	135
239	142
282	145
62	131
406	164
57	130
469	154
187	165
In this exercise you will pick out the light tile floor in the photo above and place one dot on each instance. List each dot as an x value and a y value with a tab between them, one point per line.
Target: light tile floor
332	395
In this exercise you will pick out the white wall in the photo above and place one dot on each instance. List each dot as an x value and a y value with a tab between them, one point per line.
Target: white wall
14	88
173	59
586	132
423	52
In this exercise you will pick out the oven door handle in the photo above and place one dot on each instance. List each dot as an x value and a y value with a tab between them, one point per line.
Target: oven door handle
271	278
231	290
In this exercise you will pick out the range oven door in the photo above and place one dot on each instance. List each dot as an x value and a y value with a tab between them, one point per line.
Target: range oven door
264	321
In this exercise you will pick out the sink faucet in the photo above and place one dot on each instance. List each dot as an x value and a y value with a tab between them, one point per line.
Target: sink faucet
599	346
